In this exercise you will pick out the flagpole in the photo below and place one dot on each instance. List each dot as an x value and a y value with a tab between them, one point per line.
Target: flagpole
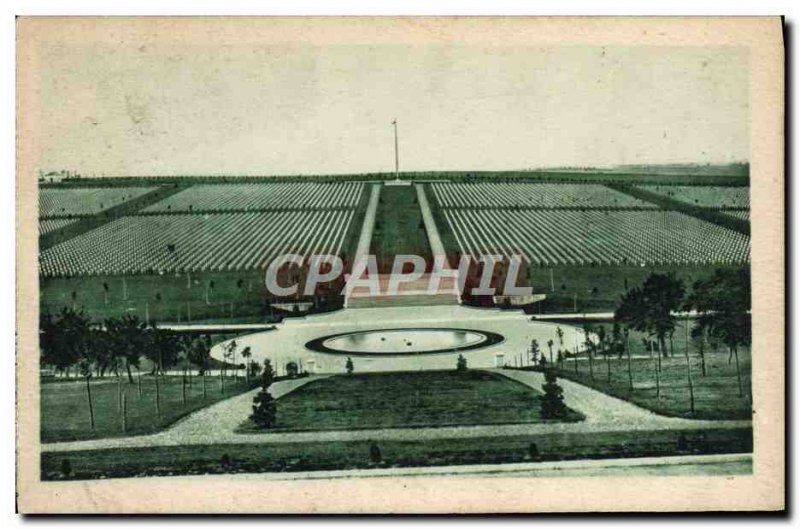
396	154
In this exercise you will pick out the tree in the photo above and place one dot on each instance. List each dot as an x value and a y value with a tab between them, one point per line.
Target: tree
267	374
650	308
461	364
86	370
127	340
534	351
626	332
66	339
199	355
590	347
698	334
246	354
230	353
603	346
723	305
552	403
550	347
265	409
348	366
253	369
291	369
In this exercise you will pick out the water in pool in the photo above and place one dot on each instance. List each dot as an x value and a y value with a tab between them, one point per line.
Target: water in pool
404	341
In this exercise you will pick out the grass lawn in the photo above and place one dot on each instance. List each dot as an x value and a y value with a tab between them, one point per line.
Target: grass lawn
716	394
398	227
164	298
407	399
289	457
599	288
65	412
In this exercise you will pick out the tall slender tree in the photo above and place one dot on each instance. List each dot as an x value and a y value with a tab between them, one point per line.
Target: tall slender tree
723	304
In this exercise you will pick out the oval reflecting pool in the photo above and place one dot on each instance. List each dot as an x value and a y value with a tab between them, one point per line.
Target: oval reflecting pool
403	341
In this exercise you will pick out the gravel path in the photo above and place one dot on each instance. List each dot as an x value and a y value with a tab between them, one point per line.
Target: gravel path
365	237
604	410
434	240
216	424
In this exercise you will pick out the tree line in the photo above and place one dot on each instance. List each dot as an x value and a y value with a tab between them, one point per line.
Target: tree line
69	340
716	310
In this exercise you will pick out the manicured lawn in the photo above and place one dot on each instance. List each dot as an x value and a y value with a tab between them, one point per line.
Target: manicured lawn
398	227
65	411
716	393
291	457
408	399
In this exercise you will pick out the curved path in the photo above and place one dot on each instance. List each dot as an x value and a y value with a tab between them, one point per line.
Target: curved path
216	424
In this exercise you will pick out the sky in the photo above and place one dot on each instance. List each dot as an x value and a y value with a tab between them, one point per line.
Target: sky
130	110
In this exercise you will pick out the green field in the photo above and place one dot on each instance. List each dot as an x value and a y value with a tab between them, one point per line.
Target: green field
408	399
294	457
716	394
398	227
65	411
598	288
164	298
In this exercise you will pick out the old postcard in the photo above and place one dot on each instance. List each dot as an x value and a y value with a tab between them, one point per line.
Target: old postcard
400	265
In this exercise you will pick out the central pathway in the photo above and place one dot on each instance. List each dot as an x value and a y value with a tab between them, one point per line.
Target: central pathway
217	423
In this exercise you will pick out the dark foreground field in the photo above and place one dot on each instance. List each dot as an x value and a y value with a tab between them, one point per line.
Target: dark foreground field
408	399
295	457
65	408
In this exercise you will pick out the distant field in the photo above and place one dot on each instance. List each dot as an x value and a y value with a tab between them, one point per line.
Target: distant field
540	196
55	202
408	399
597	237
65	408
244	197
716	197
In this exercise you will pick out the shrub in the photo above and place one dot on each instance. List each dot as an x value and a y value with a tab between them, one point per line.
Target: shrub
553	406
264	409
349	365
461	364
375	455
291	369
66	468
